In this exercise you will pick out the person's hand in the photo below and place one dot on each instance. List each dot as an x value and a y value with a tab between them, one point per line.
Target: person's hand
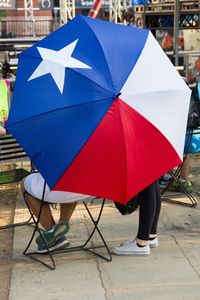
2	131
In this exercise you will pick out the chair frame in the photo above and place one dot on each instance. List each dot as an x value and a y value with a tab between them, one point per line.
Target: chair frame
175	174
84	247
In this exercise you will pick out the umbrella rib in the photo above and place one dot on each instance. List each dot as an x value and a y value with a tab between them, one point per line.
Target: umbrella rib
53	110
83	20
124	149
68	166
98	84
157	92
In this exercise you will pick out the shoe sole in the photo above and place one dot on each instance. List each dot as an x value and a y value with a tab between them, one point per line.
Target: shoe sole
153	246
150	245
62	245
130	253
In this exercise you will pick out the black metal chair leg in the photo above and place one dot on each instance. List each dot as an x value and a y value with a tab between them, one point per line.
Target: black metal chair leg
52	265
96	222
92	248
175	178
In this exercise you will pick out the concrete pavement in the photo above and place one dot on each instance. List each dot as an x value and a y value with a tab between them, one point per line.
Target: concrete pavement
171	272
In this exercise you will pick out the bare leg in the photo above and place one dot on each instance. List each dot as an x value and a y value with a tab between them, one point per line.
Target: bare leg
66	211
46	218
184	173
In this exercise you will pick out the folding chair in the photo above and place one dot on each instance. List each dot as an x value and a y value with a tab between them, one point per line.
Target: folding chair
175	177
84	247
13	155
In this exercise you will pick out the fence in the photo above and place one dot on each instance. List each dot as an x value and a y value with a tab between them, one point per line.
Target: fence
21	28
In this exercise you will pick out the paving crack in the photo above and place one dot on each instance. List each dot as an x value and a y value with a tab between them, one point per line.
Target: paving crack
187	258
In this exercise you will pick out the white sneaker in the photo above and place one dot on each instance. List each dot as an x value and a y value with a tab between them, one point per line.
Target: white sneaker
152	243
131	248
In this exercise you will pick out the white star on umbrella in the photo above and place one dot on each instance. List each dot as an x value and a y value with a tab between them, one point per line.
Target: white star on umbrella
55	62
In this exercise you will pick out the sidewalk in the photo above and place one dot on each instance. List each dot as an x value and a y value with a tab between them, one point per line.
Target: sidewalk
171	272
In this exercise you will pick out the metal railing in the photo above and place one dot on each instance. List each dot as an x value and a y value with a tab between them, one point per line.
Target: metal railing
22	28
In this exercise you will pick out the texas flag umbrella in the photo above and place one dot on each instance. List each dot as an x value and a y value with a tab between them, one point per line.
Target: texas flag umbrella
99	109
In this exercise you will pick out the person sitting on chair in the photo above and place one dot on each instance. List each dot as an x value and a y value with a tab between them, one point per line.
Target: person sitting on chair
183	178
54	235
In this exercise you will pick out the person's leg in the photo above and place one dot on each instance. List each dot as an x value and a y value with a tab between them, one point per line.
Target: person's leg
66	211
147	213
185	169
54	236
148	218
153	232
46	218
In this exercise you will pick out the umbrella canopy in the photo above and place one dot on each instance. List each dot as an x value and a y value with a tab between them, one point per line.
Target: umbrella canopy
99	109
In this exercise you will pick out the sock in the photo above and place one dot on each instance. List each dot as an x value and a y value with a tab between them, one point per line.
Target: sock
141	245
153	238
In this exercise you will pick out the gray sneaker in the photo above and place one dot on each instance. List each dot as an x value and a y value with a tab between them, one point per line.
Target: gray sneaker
59	244
131	249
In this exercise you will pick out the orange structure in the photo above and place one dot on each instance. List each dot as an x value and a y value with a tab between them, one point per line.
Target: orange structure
167	42
95	8
197	65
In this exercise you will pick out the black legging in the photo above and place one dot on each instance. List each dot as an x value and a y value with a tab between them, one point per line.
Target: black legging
150	204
